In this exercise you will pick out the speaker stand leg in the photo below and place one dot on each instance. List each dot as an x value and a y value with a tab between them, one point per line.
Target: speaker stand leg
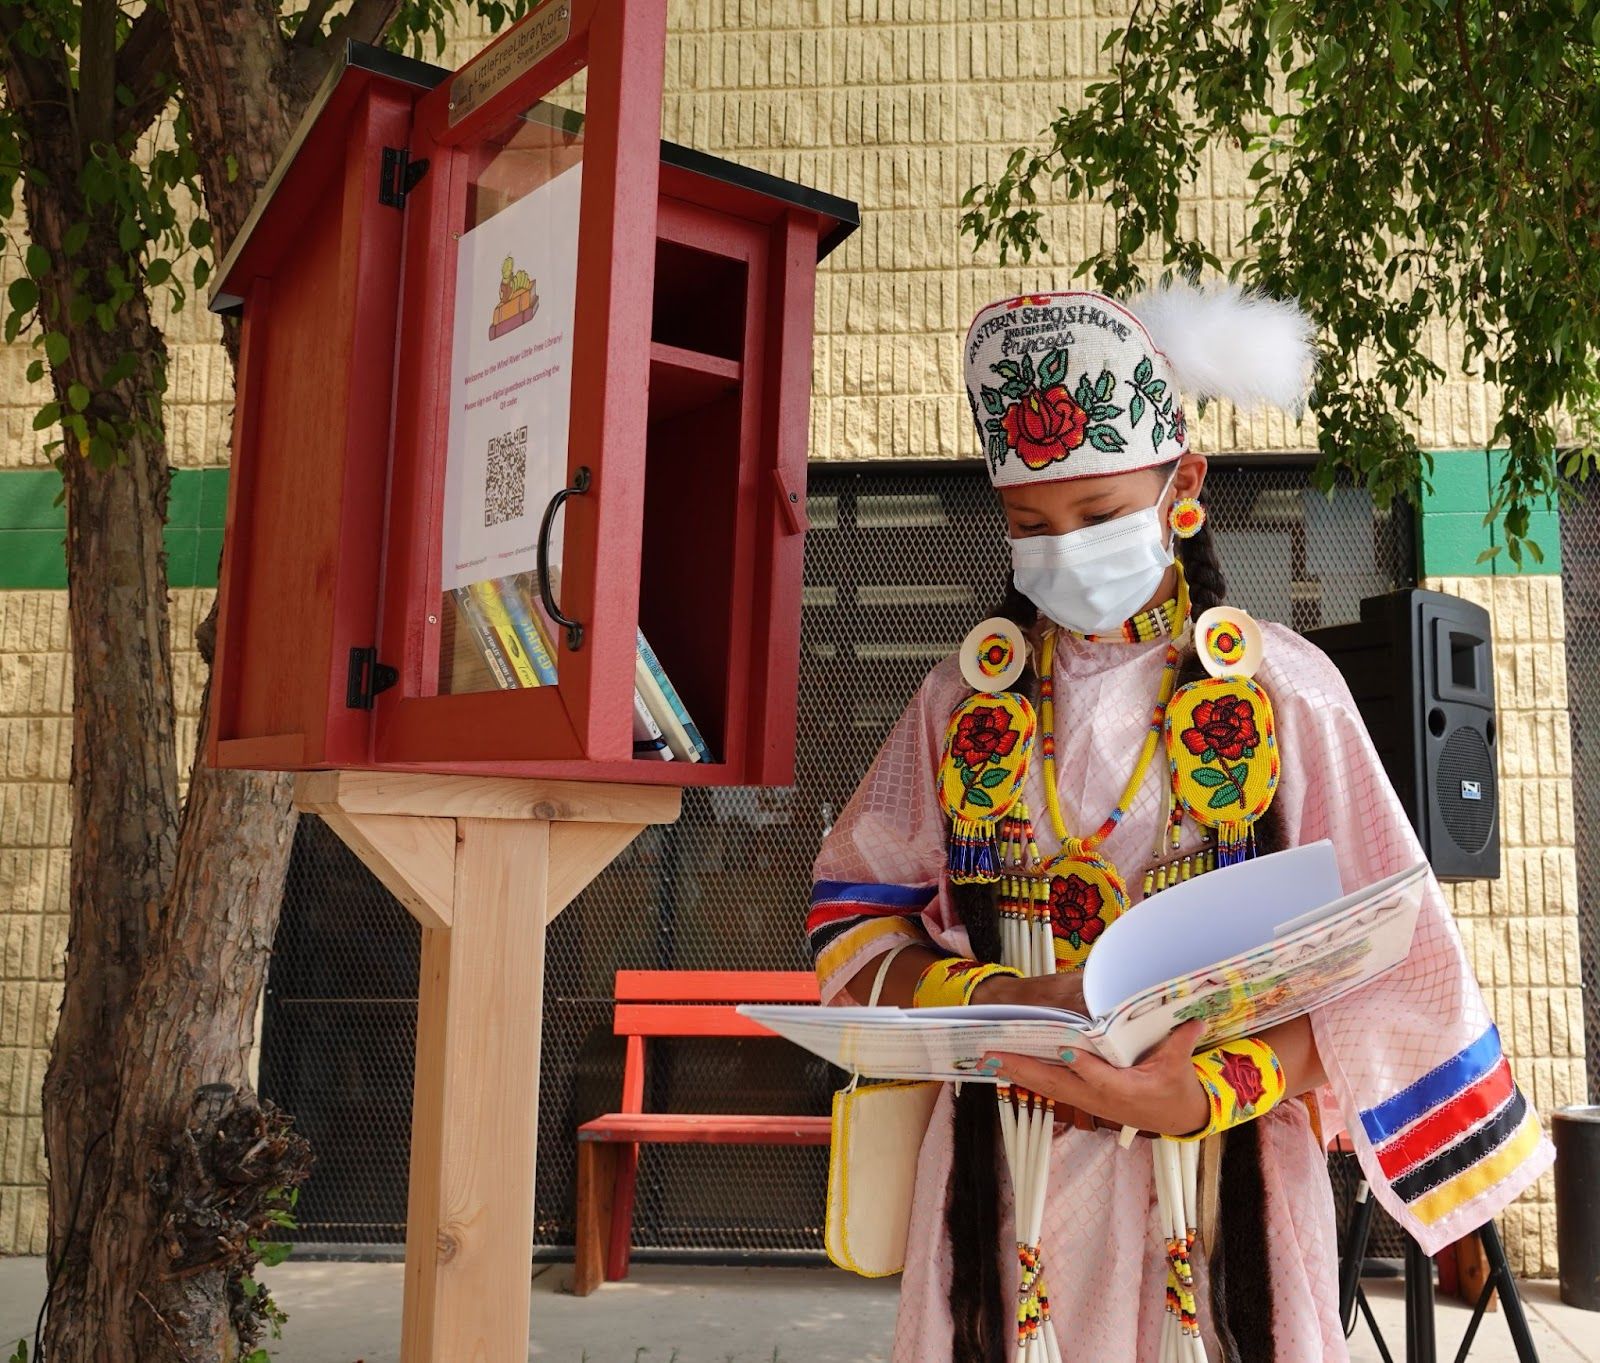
1500	1279
1420	1346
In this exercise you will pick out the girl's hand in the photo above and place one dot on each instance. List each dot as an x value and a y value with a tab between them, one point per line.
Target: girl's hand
1160	1093
1042	991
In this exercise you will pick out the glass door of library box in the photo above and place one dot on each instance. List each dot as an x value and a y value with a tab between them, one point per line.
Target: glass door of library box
511	570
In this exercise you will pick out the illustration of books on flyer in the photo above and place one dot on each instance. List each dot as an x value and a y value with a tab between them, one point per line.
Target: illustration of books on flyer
507	622
1243	948
519	299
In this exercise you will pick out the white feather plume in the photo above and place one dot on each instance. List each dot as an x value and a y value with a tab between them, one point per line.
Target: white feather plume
1224	341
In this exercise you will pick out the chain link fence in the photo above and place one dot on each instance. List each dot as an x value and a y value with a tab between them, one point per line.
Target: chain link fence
1580	583
901	561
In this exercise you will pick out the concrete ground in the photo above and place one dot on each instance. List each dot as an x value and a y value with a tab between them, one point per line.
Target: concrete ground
350	1313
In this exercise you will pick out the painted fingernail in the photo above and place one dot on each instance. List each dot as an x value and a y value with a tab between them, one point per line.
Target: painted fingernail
1068	1056
990	1064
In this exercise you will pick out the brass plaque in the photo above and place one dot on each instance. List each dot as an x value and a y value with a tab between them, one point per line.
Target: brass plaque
529	43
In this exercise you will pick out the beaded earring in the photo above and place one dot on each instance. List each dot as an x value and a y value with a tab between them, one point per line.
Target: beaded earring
1186	517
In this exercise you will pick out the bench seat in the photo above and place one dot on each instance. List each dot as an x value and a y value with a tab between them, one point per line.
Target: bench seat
687	1128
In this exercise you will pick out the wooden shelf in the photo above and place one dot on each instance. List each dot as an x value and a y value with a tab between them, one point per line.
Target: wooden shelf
681	380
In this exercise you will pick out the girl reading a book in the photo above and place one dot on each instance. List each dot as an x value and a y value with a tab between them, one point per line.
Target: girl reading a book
1107	734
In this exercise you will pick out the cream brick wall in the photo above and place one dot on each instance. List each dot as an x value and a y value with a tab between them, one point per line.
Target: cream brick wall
900	105
35	740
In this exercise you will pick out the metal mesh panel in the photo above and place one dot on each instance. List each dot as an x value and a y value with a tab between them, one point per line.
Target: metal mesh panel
901	561
1580	582
338	1033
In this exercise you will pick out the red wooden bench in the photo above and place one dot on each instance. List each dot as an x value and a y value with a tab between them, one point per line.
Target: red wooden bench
671	1003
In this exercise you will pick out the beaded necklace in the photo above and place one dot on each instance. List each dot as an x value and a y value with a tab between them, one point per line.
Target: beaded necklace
1083	889
1143	628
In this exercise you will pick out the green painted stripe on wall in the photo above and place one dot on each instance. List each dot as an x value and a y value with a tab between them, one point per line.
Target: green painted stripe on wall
33	528
1451	534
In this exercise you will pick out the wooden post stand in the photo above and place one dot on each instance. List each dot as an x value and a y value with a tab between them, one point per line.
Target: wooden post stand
483	863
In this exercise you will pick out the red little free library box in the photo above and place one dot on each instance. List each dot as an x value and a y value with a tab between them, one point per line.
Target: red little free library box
519	385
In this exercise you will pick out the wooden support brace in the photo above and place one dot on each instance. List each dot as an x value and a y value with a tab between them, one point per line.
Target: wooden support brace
483	864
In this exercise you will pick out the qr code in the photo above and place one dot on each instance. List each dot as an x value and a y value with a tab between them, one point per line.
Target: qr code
506	478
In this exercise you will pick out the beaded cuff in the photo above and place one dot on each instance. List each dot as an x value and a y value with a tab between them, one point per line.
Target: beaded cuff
1243	1080
948	983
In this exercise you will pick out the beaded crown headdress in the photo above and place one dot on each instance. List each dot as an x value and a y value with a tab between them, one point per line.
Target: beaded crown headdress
1078	385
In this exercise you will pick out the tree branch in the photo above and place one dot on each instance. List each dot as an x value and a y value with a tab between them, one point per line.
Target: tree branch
365	21
309	29
145	64
97	73
29	80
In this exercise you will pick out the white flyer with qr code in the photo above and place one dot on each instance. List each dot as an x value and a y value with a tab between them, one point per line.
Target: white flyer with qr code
510	383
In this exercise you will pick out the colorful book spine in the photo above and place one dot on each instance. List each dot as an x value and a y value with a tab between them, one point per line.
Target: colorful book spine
488	600
644	682
673	699
469	613
524	621
648	742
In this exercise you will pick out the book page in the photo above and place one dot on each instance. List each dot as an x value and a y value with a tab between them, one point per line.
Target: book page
1324	959
905	1043
1207	919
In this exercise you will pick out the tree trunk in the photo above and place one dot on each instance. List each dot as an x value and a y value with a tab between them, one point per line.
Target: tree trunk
169	937
124	764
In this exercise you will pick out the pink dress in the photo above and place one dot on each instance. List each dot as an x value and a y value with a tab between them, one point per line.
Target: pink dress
1413	1061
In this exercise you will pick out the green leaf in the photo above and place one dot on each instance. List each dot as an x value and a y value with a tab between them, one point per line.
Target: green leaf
47	416
1104	384
993	778
24	294
1084	396
200	234
1136	409
1106	438
35	371
74	238
77	396
37	260
993	403
1224	796
1144	371
1209	776
274	1252
1400	54
975	796
55	347
129	235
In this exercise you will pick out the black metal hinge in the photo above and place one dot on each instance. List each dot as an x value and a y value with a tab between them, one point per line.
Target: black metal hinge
399	176
366	678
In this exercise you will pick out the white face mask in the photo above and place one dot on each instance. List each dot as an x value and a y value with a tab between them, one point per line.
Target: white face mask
1093	579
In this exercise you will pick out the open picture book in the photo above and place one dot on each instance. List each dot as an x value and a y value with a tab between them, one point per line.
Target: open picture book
1242	947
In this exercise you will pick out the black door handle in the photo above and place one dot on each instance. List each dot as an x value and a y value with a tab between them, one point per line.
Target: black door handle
580	484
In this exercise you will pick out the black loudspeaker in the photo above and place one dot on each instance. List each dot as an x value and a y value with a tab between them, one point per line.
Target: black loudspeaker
1421	670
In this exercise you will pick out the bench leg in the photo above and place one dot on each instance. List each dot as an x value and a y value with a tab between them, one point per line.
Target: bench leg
597	1172
621	1246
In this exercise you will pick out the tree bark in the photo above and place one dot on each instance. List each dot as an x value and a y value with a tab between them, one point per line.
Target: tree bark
124	764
